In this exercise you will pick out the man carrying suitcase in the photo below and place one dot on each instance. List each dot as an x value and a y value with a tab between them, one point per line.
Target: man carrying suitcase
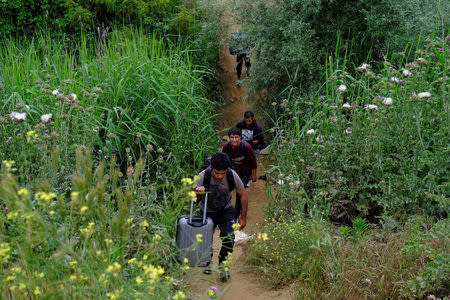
219	180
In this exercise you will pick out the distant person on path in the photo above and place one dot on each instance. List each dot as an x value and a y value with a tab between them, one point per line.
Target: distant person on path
251	131
243	161
242	52
219	179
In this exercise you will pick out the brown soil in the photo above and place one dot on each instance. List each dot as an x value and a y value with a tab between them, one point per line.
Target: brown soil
243	284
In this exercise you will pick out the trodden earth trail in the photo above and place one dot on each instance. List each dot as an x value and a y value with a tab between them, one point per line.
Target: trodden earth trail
243	284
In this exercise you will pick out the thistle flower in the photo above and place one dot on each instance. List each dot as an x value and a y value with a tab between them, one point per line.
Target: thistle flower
372	107
18	117
46	118
55	93
407	73
342	88
311	131
422	60
72	96
363	68
387	101
347	106
424	95
394	79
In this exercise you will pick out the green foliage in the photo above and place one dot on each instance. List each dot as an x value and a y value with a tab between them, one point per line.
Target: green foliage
432	247
104	238
24	16
136	96
379	144
89	14
280	251
292	39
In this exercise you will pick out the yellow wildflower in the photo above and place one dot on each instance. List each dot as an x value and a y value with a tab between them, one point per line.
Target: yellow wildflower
22	286
16	269
139	280
143	224
157	238
185	260
236	226
186	181
74	196
72	263
37	291
179	295
73	277
84	209
108	241
52	212
129	220
199	237
9	163
22	192
132	261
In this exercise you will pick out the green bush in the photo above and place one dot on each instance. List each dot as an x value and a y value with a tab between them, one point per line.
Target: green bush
25	16
292	39
380	145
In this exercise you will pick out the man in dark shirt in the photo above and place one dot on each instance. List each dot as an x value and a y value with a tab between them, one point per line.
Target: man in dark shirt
251	131
243	160
220	204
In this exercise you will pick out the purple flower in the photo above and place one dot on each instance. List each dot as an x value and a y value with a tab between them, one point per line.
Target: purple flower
315	153
402	87
376	119
327	171
102	115
10	138
293	166
160	156
336	107
291	190
6	208
214	288
378	96
19	134
99	150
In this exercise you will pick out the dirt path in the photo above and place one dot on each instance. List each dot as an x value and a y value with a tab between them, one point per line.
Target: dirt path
244	284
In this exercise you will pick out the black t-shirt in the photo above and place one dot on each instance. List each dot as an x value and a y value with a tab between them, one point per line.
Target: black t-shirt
251	133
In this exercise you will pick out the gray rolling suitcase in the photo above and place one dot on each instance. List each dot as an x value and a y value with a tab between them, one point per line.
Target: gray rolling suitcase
198	254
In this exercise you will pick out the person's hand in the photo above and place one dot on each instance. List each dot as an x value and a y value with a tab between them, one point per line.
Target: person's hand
199	189
255	142
243	222
254	178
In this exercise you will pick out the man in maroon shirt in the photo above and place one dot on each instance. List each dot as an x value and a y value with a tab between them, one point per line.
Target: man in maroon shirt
243	160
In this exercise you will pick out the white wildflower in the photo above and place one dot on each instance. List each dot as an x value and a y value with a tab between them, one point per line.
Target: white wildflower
395	79
407	73
311	131
422	60
342	88
55	92
319	139
46	118
387	101
363	68
280	181
424	95
372	107
72	96
347	106
348	131
18	117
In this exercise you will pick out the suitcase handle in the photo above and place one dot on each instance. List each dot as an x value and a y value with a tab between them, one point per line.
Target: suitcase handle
204	210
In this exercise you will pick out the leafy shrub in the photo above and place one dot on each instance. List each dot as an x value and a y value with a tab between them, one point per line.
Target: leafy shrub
24	16
369	144
282	247
293	38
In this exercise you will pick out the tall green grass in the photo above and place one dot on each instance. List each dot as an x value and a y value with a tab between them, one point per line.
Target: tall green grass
89	198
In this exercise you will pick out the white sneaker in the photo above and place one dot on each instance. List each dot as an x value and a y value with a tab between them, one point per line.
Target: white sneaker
239	82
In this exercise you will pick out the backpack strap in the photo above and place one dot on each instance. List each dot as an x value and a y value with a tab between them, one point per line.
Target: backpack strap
230	179
207	178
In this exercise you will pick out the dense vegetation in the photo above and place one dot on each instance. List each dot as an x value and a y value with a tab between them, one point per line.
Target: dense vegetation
107	105
95	138
357	98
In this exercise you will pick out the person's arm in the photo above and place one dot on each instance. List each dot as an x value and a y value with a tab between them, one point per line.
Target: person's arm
253	162
257	134
244	206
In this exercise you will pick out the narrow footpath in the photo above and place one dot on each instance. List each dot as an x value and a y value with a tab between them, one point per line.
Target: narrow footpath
243	285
